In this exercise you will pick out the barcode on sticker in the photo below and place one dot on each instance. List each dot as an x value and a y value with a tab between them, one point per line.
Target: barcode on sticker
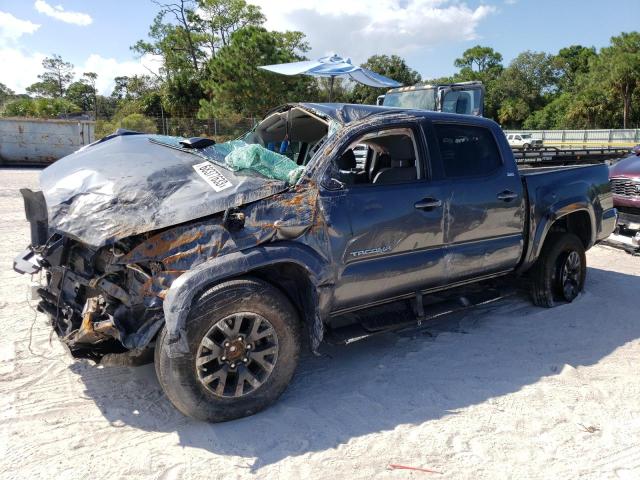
212	176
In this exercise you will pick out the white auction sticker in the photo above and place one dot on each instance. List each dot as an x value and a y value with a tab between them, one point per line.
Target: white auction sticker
212	176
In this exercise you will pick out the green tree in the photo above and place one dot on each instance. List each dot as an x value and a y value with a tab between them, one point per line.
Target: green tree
175	39
480	60
5	93
218	19
618	66
237	85
482	64
187	34
57	75
526	85
391	66
83	92
571	62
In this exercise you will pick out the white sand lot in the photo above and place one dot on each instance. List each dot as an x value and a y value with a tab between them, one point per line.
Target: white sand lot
511	391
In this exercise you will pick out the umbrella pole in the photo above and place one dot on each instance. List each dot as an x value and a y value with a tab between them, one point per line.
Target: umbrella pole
331	80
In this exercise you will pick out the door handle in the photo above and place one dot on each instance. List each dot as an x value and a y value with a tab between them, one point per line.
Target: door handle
507	196
428	204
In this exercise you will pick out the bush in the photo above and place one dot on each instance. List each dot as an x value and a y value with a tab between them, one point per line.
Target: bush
40	108
134	121
139	123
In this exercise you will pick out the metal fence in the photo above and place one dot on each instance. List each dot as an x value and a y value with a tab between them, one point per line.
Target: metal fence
585	138
219	129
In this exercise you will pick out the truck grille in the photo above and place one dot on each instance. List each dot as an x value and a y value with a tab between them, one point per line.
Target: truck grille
625	187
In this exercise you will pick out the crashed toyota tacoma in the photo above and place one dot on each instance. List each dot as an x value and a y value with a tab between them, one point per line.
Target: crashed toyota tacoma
223	258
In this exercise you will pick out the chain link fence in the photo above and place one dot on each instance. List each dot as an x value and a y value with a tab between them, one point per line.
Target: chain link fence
218	129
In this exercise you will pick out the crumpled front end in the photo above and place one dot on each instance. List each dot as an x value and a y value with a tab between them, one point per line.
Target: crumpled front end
109	299
96	305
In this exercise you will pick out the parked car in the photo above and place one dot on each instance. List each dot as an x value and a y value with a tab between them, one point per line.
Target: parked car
224	270
625	185
523	140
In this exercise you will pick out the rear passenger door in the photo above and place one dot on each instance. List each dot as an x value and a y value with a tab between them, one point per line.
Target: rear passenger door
485	204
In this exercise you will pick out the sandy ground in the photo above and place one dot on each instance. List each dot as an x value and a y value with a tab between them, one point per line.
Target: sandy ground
509	391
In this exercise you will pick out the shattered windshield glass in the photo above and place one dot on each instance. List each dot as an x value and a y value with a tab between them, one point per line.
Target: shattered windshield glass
240	156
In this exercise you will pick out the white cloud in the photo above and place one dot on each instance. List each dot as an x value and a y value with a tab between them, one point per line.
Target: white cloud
59	13
360	28
26	66
109	68
18	68
12	28
21	69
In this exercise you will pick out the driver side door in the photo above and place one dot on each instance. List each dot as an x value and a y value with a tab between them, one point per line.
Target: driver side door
395	244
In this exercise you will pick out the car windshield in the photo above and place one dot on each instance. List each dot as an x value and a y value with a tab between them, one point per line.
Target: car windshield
525	136
424	99
279	147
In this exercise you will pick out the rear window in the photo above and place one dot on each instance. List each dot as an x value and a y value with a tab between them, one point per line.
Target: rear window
424	99
467	151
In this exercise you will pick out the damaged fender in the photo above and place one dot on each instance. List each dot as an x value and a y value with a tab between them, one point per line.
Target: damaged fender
191	284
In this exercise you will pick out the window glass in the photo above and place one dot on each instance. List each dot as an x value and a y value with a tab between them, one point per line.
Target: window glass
424	99
466	102
467	150
382	158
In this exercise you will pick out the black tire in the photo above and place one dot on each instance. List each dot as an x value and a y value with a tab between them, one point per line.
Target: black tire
551	283
181	378
526	146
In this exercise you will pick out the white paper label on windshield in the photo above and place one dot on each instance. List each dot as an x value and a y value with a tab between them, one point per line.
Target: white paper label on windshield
212	176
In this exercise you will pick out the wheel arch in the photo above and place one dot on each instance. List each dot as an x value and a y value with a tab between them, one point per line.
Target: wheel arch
296	270
575	216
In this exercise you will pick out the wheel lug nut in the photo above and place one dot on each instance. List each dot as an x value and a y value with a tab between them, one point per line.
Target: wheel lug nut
233	365
248	347
224	359
226	344
239	339
245	359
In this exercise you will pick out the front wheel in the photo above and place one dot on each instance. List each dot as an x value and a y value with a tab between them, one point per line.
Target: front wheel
559	273
526	146
244	342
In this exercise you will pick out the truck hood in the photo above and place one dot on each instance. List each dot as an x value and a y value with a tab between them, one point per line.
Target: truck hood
132	184
628	167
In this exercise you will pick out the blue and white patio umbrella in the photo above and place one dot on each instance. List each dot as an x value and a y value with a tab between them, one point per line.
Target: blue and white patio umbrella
331	67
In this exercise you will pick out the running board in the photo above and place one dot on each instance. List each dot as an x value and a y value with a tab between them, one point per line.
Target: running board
422	315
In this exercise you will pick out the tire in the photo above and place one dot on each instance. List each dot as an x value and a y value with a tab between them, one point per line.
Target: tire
560	271
217	321
526	146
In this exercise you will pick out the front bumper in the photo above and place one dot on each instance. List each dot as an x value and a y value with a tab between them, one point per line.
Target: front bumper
629	219
93	314
28	262
609	219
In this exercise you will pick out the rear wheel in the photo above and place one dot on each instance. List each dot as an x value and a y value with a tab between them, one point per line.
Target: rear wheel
559	273
526	146
244	342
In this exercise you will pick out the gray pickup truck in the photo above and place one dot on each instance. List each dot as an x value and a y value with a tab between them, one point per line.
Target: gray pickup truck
151	243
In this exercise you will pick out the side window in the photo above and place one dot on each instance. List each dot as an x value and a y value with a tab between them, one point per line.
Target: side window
467	150
382	157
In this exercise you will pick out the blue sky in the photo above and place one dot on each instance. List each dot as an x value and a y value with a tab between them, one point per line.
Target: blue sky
96	35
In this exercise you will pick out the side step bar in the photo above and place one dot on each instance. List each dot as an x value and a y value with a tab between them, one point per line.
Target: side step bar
426	309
